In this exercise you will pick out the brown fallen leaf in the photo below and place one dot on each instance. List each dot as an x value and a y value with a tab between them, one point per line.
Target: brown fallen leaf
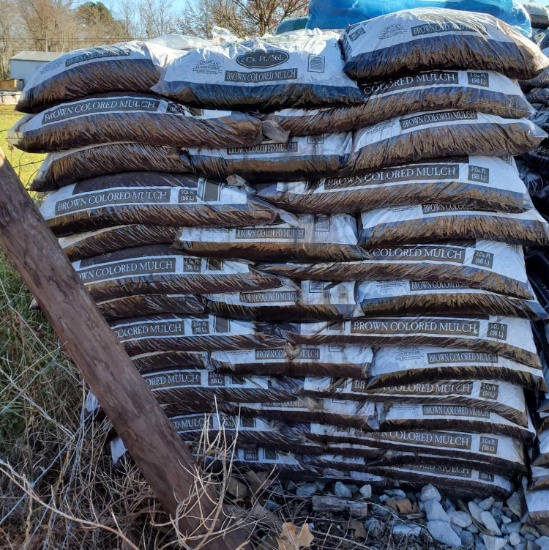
294	538
403	506
358	528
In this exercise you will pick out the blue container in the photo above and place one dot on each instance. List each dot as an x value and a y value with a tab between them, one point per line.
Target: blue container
289	25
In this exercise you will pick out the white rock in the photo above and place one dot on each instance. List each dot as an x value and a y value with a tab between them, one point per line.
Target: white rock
514	527
543	543
514	539
237	489
307	490
475	511
435	511
493	543
461	519
440	532
430	492
467	539
506	520
487	504
490	523
366	491
406	530
516	504
342	491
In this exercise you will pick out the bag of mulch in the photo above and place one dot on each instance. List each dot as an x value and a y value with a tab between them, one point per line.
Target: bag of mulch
124	67
350	361
538	159
450	417
497	450
483	92
151	304
506	336
357	414
537	503
541	118
158	360
539	96
542	80
483	183
539	479
434	222
439	297
503	398
175	333
534	182
302	70
423	39
488	265
307	239
538	267
542	452
67	167
189	390
311	300
113	239
152	198
395	366
440	134
459	480
539	16
160	269
301	157
137	118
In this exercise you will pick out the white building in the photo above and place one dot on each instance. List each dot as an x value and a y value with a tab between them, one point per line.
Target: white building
24	64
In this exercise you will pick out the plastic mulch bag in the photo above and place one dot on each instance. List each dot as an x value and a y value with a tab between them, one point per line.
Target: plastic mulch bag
67	167
137	118
440	222
159	269
484	92
152	198
411	41
295	70
440	134
488	265
484	183
309	238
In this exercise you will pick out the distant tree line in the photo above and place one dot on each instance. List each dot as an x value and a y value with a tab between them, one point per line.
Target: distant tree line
64	25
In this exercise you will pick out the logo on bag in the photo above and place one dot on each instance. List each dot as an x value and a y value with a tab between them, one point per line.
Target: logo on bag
261	59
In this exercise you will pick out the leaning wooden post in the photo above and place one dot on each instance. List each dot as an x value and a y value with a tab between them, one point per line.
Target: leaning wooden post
162	457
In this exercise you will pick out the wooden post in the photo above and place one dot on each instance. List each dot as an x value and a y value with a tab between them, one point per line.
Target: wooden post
158	451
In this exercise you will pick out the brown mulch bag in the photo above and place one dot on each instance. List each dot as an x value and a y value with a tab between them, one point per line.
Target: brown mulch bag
152	198
539	95
438	297
401	366
307	157
176	333
114	239
153	361
483	183
68	167
306	238
423	39
441	222
159	269
127	66
491	266
145	119
312	300
484	92
351	361
507	336
151	304
439	134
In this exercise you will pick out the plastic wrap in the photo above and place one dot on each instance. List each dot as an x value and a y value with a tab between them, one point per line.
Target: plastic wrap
311	300
506	336
539	95
503	398
309	239
159	269
487	265
398	366
439	134
483	92
294	70
542	80
151	304
437	298
176	333
485	183
113	239
308	157
144	119
440	222
351	361
152	198
539	16
423	39
67	167
124	67
538	159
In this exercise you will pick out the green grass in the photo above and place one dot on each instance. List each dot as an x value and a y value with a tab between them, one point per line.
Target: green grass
25	164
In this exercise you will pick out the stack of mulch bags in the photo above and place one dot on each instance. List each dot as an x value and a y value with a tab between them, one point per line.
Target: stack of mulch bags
332	265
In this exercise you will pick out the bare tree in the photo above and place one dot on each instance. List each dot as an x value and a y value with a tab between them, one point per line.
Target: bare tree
242	17
157	17
7	35
129	18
